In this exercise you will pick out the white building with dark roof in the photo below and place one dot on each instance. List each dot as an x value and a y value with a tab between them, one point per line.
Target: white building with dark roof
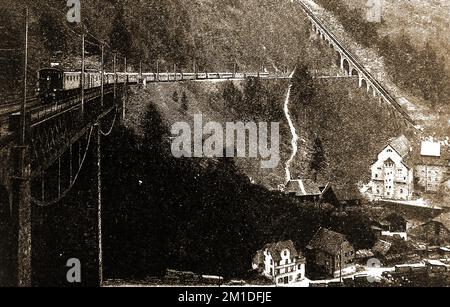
281	262
392	176
432	169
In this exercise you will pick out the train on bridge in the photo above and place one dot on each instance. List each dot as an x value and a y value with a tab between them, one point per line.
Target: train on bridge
54	83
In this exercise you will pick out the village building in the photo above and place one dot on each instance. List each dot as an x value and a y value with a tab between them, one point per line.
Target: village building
390	225
309	191
329	254
391	250
305	189
392	174
432	168
280	262
435	232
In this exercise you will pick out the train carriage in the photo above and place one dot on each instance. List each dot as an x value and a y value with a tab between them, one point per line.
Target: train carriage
50	83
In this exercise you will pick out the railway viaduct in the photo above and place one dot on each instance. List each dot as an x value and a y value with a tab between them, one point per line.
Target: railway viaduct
47	147
350	65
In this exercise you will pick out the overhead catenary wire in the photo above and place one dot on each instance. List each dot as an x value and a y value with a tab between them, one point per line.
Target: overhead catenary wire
112	125
42	203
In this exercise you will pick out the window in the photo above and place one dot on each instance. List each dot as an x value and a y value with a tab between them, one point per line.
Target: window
389	150
376	175
401	191
271	262
299	267
285	253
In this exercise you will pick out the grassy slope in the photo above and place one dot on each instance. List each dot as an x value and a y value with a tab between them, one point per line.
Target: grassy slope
206	99
351	125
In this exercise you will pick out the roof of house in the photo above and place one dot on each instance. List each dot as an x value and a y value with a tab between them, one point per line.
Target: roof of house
430	149
327	241
275	249
364	253
304	187
381	247
401	145
444	219
392	217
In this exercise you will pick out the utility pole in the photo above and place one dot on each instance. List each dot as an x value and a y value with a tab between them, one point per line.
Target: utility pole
103	73
157	70
115	75
99	212
175	72
21	191
340	265
125	88
83	77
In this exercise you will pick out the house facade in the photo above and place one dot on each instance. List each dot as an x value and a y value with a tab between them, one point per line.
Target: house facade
436	231
391	225
330	255
432	169
281	263
392	177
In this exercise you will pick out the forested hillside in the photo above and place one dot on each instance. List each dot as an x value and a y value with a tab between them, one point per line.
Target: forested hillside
212	34
415	55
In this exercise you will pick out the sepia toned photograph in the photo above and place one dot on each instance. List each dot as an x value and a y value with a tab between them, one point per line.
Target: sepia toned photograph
224	149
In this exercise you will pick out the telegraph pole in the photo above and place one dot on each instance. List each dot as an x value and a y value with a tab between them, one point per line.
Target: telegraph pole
115	75
99	208
175	72
21	205
82	71
140	71
103	73
157	70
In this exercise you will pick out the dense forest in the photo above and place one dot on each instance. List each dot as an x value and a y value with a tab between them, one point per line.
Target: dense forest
419	70
210	35
344	138
202	215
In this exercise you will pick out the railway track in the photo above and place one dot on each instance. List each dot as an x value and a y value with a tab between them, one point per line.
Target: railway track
386	95
13	107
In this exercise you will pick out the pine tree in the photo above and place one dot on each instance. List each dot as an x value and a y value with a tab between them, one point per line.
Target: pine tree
175	96
120	38
302	86
318	160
